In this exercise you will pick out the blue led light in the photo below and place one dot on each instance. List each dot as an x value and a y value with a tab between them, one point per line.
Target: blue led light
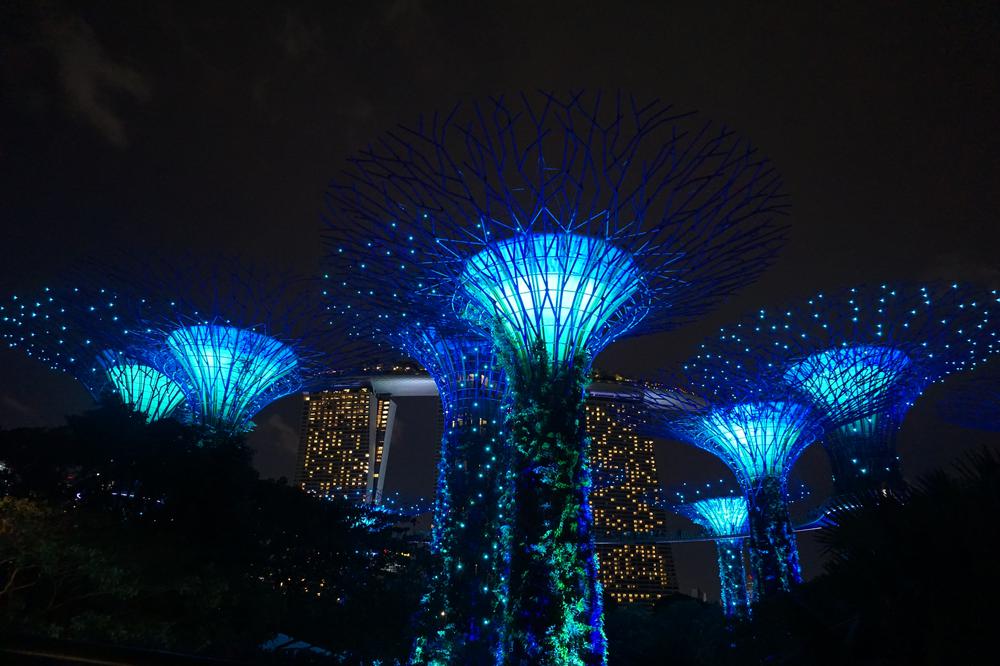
560	288
757	440
721	516
91	334
145	389
556	225
855	379
727	518
231	373
862	357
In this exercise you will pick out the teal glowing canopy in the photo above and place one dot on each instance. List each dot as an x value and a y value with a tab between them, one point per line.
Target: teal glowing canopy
720	516
756	440
561	288
231	373
145	389
850	382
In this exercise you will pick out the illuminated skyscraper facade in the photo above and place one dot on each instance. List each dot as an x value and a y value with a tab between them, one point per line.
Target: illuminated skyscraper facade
346	435
626	468
381	417
334	451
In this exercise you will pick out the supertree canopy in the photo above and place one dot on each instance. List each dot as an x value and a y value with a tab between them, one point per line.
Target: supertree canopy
235	339
758	431
555	224
96	335
724	516
462	613
720	509
861	357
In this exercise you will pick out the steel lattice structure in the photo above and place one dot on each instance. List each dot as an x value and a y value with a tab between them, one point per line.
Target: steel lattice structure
94	334
758	430
721	510
237	338
462	614
860	357
725	517
556	224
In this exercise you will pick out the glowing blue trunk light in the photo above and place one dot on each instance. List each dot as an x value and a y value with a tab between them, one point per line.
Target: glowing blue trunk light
728	519
467	600
858	388
560	288
760	441
233	373
733	594
145	389
863	456
850	381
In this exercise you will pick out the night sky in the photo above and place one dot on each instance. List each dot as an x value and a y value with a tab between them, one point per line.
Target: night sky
158	127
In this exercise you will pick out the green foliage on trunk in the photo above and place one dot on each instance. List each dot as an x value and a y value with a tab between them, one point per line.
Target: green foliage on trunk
555	615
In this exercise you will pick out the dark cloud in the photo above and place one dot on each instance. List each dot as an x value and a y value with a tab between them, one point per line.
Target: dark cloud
91	80
300	39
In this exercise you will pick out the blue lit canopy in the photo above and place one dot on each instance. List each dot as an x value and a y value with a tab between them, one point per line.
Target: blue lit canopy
96	335
860	351
720	516
231	373
145	389
860	357
236	337
559	288
574	218
556	223
849	379
757	440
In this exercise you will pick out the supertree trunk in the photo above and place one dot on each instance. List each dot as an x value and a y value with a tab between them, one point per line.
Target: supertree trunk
462	615
732	577
555	614
774	557
863	457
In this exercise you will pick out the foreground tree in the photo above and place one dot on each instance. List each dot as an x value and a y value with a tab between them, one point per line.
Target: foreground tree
153	535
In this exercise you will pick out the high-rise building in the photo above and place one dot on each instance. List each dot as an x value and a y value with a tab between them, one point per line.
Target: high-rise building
346	435
625	472
334	446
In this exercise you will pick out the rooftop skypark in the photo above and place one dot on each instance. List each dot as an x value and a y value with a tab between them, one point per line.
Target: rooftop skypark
861	357
93	334
555	224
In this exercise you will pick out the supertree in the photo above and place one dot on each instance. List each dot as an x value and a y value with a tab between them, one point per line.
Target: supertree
974	402
758	429
861	357
724	516
462	613
720	509
237	338
556	224
95	334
